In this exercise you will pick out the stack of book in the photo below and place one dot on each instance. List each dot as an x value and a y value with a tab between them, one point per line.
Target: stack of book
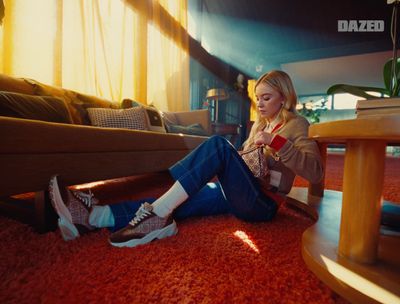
378	107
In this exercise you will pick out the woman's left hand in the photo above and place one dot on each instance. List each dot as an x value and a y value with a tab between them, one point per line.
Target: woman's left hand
263	138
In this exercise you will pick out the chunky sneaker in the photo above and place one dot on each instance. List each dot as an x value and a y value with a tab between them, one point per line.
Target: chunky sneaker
73	209
87	199
143	228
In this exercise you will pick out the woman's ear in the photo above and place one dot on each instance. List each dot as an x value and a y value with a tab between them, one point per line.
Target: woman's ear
283	101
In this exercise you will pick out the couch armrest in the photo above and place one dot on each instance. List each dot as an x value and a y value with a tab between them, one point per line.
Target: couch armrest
196	116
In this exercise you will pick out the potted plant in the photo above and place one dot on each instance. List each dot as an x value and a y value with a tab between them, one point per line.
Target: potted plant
312	113
390	79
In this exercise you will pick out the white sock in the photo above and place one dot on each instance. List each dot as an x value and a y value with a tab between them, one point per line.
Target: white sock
101	216
171	199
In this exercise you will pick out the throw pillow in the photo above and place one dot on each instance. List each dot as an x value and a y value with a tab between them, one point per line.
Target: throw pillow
130	103
133	118
154	121
194	129
45	108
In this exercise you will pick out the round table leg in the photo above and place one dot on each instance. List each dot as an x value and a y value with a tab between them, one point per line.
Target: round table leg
362	192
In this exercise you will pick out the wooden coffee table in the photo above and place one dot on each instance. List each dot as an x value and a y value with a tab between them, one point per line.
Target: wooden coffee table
345	248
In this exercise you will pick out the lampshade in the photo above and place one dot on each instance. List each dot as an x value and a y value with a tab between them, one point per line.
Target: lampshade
219	94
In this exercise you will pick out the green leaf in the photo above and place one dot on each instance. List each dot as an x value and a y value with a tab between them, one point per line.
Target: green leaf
396	90
387	75
387	69
356	90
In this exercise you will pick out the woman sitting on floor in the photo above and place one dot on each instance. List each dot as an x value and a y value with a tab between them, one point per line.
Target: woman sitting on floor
288	152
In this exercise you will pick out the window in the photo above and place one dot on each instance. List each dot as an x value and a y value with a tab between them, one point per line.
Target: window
344	101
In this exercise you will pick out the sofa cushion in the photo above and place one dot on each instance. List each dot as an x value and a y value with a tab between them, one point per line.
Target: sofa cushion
34	107
16	85
69	97
94	101
169	118
133	118
194	129
77	103
84	102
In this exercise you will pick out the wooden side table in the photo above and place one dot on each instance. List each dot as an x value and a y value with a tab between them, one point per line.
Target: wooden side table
230	131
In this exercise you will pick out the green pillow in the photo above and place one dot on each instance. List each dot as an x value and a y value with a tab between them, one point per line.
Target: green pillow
194	129
25	106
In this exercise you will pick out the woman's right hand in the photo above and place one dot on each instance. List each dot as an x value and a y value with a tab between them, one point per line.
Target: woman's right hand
263	138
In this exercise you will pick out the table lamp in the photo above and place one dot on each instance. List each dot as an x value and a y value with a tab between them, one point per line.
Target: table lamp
216	95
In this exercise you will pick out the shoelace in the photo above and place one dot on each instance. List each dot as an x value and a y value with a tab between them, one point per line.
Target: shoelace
85	198
139	215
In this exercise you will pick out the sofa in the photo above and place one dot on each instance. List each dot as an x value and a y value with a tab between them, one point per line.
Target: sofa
53	133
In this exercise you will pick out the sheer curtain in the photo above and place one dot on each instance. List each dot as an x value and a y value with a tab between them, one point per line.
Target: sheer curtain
168	59
110	48
29	29
99	39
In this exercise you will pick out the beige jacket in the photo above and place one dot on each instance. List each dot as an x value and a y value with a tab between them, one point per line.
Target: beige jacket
299	155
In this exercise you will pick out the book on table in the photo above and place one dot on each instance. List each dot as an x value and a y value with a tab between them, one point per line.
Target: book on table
380	106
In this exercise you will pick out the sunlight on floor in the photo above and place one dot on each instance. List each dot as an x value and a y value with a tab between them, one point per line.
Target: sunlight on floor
89	185
359	283
245	238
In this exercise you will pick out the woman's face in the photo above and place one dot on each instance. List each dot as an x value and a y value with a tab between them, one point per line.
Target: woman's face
269	101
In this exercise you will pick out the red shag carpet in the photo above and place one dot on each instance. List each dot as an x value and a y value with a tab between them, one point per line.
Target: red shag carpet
217	259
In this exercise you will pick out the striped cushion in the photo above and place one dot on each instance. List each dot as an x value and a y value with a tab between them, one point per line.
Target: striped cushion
132	118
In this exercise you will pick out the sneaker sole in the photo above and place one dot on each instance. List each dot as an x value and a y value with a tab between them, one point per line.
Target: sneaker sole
167	231
67	228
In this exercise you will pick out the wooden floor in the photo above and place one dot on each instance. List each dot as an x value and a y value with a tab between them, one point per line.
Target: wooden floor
359	283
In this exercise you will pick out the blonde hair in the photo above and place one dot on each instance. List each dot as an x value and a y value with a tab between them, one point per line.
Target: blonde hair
281	82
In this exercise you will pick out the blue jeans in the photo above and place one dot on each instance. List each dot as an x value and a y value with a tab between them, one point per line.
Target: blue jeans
237	192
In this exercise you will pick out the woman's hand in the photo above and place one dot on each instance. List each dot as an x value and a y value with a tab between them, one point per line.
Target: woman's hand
263	138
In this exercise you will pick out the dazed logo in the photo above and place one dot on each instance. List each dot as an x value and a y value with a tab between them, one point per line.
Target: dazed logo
361	25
